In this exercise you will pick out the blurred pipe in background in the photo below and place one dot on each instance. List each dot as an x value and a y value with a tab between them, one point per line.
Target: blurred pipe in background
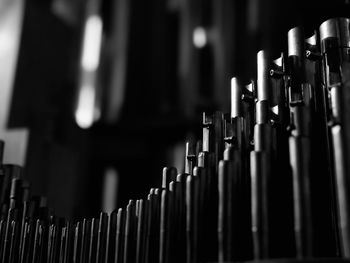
175	154
87	109
207	41
117	51
11	17
68	10
110	190
103	54
200	38
253	18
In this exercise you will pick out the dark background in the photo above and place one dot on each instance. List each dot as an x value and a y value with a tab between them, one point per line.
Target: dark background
169	82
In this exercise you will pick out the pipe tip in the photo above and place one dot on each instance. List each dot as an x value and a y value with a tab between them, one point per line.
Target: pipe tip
295	42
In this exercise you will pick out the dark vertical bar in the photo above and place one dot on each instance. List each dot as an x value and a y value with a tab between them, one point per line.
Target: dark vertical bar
111	237
303	227
85	231
92	245
101	239
14	233
120	236
15	195
260	215
141	231
164	230
192	192
129	249
36	244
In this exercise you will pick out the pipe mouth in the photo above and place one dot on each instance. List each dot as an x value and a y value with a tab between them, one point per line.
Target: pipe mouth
329	29
296	42
262	75
236	94
336	28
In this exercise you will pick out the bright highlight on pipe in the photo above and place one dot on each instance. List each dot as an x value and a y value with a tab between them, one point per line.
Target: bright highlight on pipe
84	114
92	43
85	111
200	37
